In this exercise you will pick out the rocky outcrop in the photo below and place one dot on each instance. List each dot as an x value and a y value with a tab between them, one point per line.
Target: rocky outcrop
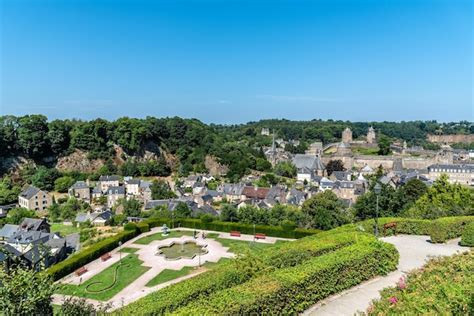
78	161
214	167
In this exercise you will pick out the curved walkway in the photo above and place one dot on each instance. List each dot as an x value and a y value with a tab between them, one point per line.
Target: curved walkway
414	252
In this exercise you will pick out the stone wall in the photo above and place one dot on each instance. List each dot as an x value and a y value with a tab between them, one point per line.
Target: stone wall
451	139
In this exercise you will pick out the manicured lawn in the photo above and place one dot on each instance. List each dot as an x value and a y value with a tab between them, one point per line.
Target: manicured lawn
173	234
64	230
365	151
168	275
240	246
129	250
127	272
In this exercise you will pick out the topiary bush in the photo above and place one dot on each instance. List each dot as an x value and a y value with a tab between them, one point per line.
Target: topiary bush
467	238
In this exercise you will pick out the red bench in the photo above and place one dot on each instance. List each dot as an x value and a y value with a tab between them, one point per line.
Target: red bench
80	271
106	257
234	233
260	236
389	226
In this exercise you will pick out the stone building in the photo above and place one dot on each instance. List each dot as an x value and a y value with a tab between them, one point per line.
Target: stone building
371	136
81	191
347	135
463	174
34	199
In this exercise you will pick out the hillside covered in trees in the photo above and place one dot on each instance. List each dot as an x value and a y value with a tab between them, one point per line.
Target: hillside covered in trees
187	141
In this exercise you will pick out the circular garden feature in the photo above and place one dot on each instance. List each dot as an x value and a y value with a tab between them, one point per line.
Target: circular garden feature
181	250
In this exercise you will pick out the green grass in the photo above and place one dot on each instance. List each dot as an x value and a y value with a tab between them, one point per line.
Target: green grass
129	250
241	246
64	230
187	250
168	275
128	272
365	151
173	234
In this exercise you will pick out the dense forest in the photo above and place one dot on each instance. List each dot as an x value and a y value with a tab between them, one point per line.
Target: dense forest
237	146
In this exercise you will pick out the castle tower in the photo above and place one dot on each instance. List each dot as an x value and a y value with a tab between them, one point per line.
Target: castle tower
347	135
371	136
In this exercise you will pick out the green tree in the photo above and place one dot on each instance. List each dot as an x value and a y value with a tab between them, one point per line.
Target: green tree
229	213
8	191
25	292
443	199
334	165
44	178
384	145
16	215
161	190
32	133
59	136
263	164
182	210
285	169
63	184
326	211
131	207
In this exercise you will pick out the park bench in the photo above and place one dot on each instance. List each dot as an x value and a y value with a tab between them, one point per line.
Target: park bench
391	225
234	233
106	257
80	271
260	236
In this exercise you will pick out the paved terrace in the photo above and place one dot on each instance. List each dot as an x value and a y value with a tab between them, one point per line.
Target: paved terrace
147	254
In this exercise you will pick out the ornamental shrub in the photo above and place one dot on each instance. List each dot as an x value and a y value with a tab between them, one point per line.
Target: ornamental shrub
89	254
291	290
467	238
444	286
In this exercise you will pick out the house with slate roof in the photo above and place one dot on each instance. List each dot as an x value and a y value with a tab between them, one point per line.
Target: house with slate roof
34	199
114	194
32	244
81	191
105	182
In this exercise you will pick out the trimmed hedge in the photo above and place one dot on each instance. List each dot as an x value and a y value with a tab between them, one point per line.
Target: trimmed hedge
274	231
292	290
467	238
445	286
440	230
447	228
89	254
237	272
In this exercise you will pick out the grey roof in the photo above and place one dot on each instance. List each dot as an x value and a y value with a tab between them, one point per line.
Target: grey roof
206	209
342	175
109	178
232	188
346	184
213	193
308	161
8	230
31	223
116	190
80	185
96	190
133	181
29	192
457	167
145	184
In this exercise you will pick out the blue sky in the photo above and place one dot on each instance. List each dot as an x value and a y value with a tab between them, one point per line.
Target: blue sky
236	61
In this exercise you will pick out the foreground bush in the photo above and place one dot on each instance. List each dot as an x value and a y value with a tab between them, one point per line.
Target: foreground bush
89	254
239	271
294	289
447	228
467	238
274	231
445	286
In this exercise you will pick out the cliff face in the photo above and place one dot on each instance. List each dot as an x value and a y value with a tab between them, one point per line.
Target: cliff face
451	139
78	161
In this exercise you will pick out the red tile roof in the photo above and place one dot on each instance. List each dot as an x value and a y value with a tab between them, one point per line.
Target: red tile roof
255	193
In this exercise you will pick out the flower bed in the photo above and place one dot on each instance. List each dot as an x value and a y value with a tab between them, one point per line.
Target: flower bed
445	286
